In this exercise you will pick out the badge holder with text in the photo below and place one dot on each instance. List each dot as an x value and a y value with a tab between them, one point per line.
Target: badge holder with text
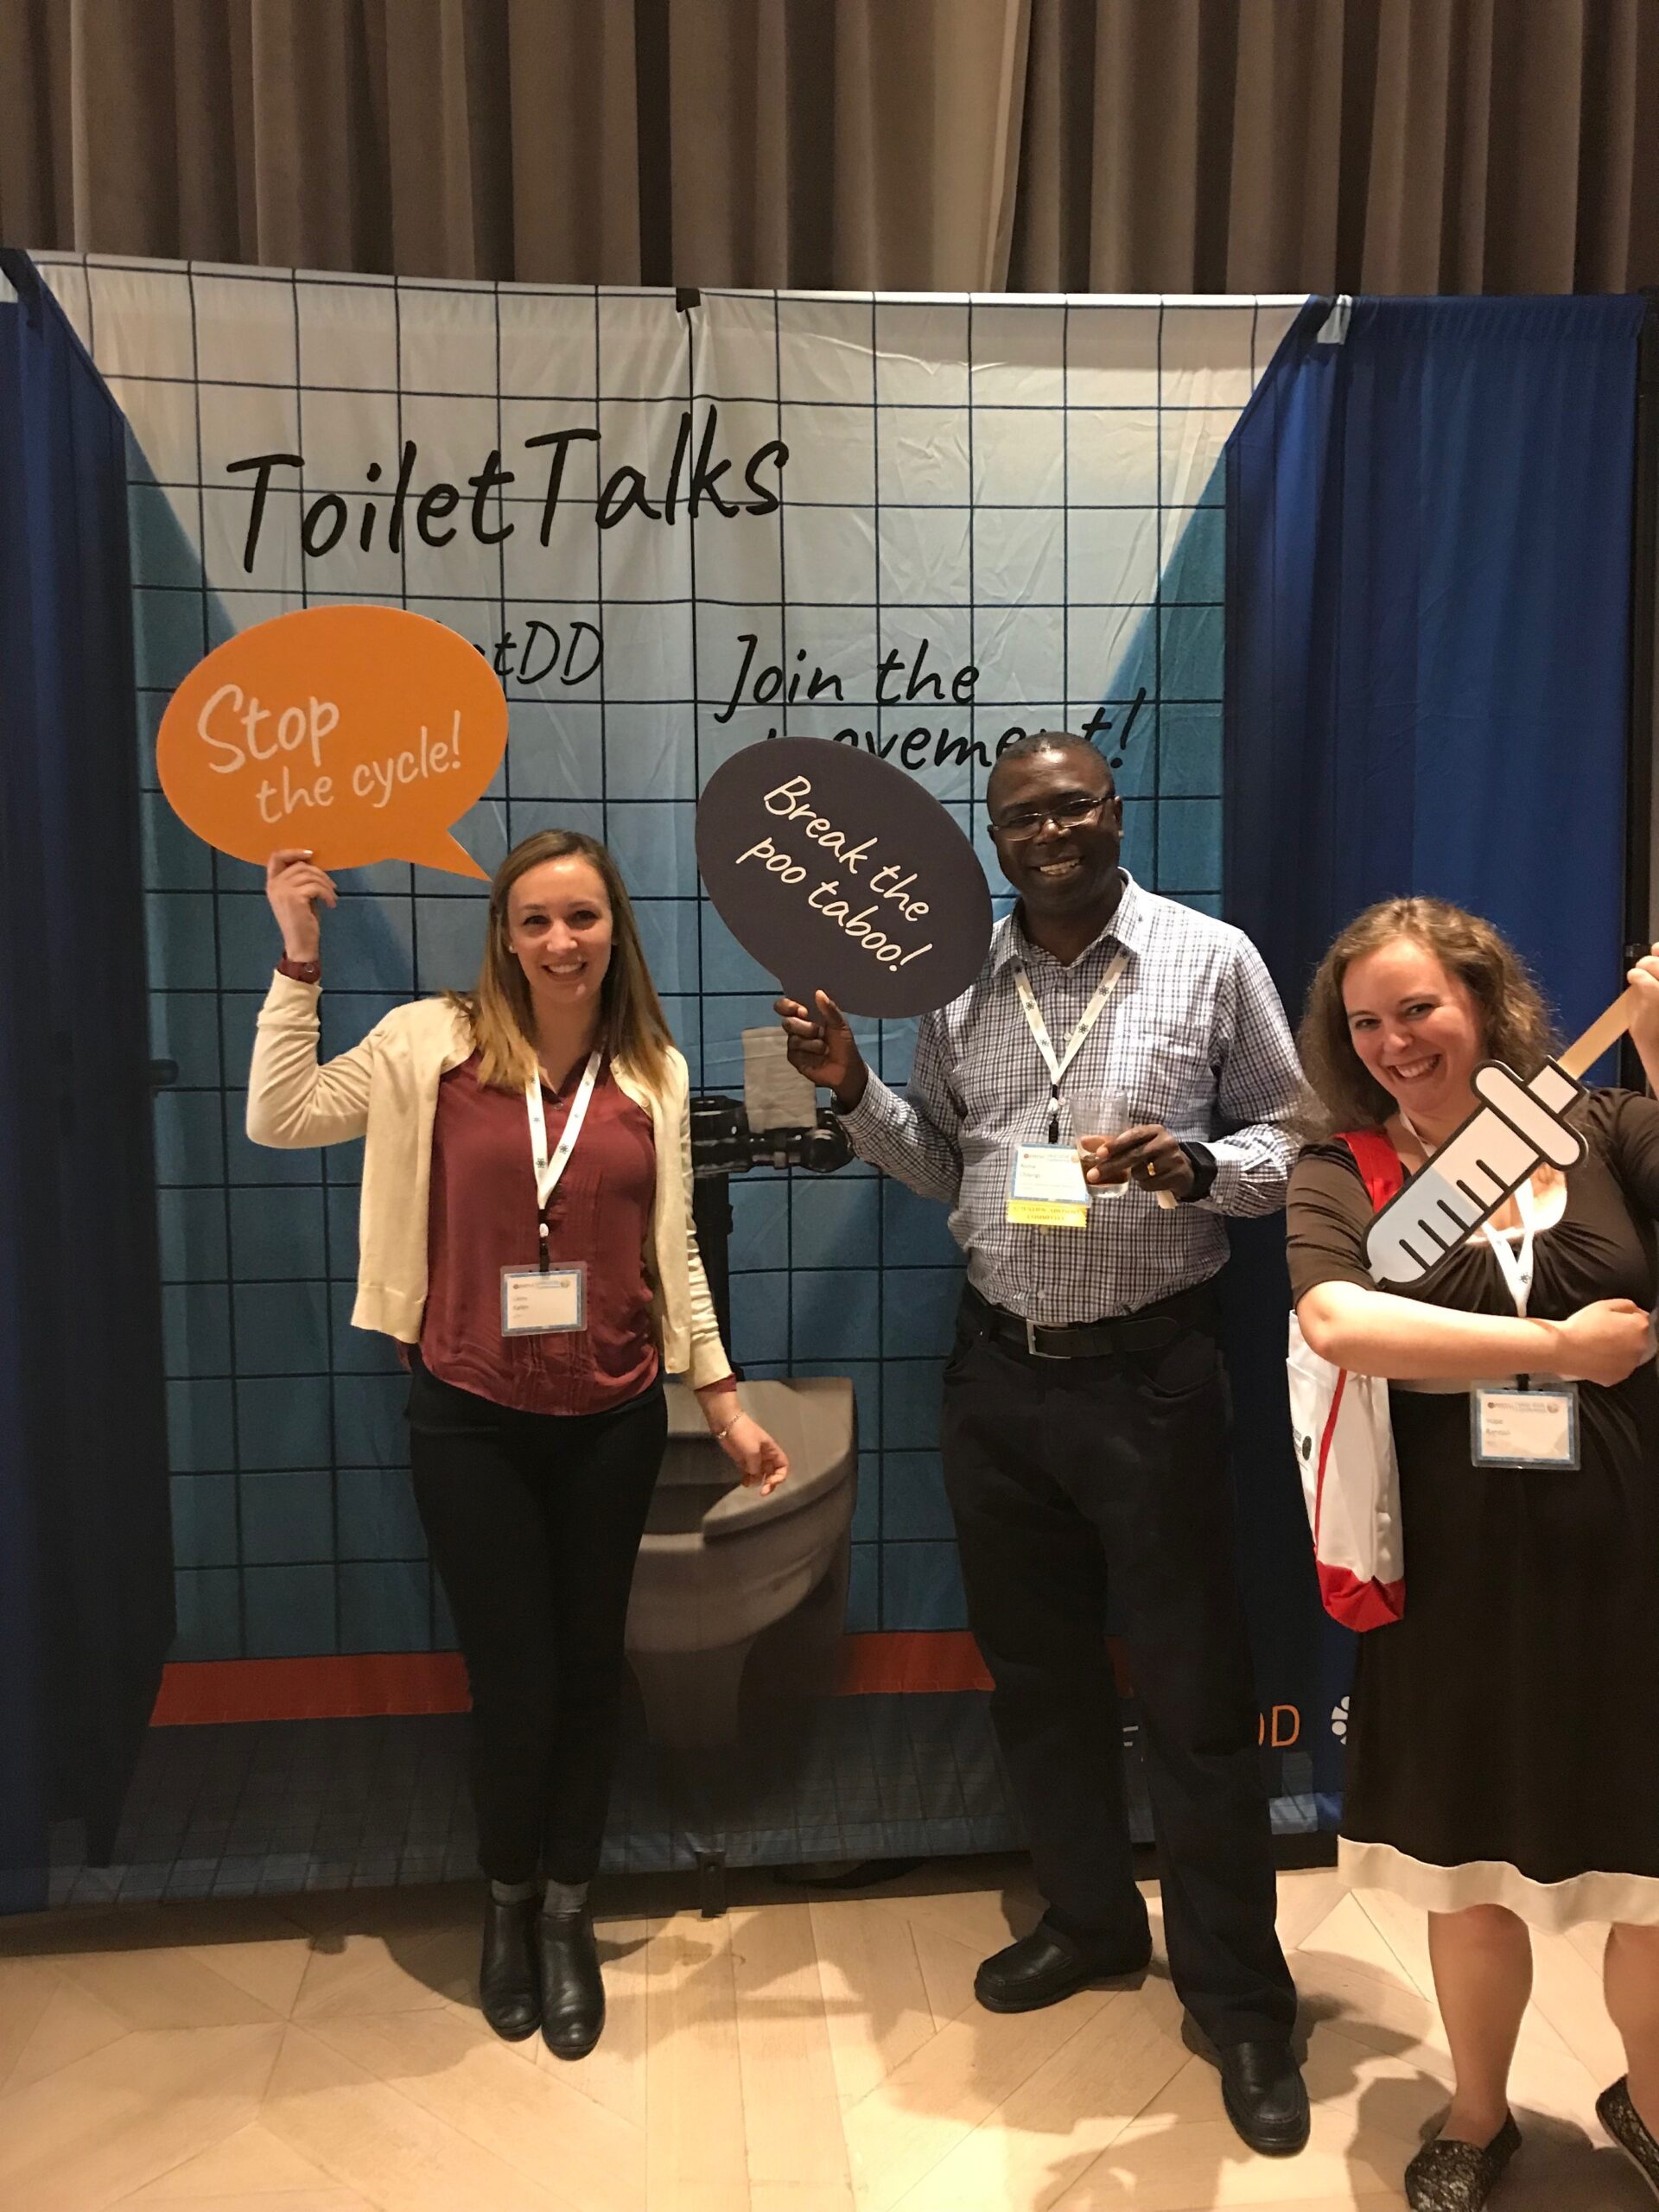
1046	1189
1524	1427
545	1300
1532	1422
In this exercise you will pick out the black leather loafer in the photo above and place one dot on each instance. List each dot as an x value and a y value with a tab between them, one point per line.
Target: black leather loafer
1449	2175
1266	2098
508	1989
1044	1966
573	1996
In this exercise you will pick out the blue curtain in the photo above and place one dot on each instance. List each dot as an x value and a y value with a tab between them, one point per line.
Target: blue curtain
85	1552
1428	589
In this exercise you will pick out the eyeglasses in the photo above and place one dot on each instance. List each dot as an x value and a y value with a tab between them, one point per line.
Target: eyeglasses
1063	813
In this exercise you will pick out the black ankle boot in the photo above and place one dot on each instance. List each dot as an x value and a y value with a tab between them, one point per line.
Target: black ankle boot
508	1988
573	1996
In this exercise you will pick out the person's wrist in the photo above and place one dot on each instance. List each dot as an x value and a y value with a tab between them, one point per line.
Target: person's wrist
1201	1166
849	1095
299	948
719	1405
1552	1349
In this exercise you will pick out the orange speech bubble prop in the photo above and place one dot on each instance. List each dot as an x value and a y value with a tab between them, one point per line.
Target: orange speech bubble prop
360	731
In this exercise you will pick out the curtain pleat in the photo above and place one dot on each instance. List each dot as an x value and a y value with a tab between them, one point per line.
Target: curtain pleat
1037	145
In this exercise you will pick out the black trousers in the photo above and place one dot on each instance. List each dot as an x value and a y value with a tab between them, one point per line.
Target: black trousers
1067	1477
533	1523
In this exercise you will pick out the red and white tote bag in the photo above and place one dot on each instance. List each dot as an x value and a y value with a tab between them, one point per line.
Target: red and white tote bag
1344	1443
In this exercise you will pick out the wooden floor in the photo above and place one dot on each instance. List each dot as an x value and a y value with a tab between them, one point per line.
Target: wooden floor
804	2054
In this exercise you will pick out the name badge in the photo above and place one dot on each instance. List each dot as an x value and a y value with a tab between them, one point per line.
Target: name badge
1046	1189
1524	1428
538	1303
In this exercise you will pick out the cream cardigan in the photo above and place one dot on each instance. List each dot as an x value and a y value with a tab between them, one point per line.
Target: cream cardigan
386	1089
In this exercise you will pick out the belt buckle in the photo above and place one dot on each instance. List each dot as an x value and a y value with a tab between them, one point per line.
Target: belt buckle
1031	1343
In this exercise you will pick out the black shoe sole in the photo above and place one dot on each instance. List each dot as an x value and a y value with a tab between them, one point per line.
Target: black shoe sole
512	2035
1096	1977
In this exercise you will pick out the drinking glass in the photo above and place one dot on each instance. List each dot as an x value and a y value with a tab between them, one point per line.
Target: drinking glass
1100	1113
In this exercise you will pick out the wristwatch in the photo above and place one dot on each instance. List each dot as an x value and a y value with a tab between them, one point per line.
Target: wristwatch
1202	1163
301	971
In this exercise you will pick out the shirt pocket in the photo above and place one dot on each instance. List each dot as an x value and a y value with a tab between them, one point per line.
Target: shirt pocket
1174	1082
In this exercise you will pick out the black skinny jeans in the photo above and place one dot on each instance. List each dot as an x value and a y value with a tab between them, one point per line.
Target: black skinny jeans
533	1522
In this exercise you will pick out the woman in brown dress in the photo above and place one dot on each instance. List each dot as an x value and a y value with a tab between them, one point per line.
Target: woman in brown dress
1502	1761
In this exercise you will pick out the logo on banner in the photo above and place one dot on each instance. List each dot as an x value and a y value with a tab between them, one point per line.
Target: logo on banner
362	732
417	507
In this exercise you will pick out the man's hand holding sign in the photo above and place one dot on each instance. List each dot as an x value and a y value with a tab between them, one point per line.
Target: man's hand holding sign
1058	844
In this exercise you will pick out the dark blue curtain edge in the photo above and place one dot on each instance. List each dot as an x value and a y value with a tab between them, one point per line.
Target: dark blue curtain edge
1259	1271
99	1645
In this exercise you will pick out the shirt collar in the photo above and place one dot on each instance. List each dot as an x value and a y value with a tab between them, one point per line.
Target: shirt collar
1128	928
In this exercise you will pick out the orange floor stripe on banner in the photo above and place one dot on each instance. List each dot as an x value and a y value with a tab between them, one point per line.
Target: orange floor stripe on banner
310	1689
197	1692
910	1660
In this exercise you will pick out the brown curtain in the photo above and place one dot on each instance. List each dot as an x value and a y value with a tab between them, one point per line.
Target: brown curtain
1047	145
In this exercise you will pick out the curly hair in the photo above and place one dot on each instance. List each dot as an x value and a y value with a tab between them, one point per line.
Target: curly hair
1515	1024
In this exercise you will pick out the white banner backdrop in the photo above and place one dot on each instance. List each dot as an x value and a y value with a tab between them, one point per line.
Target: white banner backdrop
916	525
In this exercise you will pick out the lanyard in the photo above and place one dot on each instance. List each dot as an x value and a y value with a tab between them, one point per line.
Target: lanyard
548	1171
1038	1027
1516	1267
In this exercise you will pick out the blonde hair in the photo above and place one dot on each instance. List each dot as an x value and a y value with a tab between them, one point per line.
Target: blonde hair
632	1027
1515	1026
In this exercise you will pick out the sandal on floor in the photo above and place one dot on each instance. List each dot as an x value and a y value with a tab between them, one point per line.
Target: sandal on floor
1447	2176
1625	2124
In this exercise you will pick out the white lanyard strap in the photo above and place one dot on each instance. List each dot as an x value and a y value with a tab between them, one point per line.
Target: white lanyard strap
1516	1267
548	1171
1091	1013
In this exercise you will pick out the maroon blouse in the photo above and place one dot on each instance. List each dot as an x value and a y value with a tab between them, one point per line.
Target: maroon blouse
481	1218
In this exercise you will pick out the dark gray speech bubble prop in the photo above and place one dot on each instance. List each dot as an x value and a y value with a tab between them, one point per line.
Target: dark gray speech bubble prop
839	874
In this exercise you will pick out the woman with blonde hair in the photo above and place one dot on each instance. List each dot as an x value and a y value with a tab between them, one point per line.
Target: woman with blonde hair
1501	1767
526	1236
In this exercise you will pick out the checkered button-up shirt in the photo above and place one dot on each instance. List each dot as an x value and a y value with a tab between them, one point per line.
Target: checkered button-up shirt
1193	1036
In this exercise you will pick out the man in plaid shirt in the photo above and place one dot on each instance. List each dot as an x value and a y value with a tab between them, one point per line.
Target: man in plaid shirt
1085	1425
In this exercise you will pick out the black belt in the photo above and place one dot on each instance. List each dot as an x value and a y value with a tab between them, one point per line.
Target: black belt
1147	1329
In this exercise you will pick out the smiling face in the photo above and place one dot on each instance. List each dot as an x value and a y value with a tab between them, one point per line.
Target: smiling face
1058	828
1416	1029
559	931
